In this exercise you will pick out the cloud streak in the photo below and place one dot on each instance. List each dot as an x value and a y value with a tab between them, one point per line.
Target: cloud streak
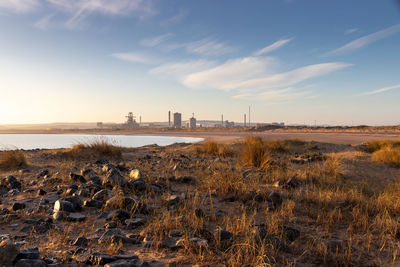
366	40
154	41
19	6
208	47
382	90
134	57
272	47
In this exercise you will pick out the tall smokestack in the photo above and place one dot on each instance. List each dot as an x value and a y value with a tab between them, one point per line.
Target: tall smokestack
249	116
169	118
245	120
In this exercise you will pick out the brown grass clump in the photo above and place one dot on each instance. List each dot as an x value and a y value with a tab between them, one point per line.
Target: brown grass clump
12	159
255	152
376	145
97	148
214	149
388	154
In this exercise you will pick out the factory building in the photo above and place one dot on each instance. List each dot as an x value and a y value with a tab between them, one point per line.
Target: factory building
177	120
192	123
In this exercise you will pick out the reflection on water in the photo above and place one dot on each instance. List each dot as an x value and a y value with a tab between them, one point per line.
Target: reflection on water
34	141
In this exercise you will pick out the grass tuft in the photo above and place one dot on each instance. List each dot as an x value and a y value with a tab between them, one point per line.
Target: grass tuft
214	149
388	154
100	147
255	153
12	159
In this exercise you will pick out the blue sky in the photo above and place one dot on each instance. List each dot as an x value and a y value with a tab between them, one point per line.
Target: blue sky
336	62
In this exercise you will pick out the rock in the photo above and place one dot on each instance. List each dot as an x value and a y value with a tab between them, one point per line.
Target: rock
134	174
278	183
60	215
119	216
138	184
81	241
75	200
18	206
198	242
290	233
98	258
135	222
175	233
114	178
30	263
115	236
93	203
8	252
77	177
62	205
102	195
275	198
108	167
13	192
111	225
43	173
76	217
171	243
30	253
120	202
223	235
95	180
88	173
173	200
292	183
41	192
13	183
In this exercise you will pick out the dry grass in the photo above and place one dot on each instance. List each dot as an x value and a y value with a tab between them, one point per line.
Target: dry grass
376	145
388	154
255	152
214	149
97	148
12	159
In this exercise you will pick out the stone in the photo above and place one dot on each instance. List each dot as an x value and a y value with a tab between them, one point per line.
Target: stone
77	177
93	203
292	183
88	173
30	253
278	183
98	258
198	242
120	202
111	225
138	184
75	200
62	205
115	236
119	216
173	200
43	173
81	241
41	192
275	198
135	222
114	178
134	174
223	235
290	233
8	252
102	195
60	215
76	217
171	243
30	263
18	206
13	183
107	167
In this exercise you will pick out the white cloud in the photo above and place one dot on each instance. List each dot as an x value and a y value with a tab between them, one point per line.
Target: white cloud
381	90
275	95
178	70
154	41
228	75
256	74
134	57
272	47
19	6
44	23
352	30
366	40
208	47
177	18
81	9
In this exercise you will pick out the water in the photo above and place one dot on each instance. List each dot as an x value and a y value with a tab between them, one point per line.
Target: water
50	141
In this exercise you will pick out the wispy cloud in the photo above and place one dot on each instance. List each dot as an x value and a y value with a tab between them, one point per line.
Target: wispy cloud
177	18
249	74
381	90
19	6
154	41
272	47
209	47
178	70
352	30
366	40
134	57
44	23
81	9
275	95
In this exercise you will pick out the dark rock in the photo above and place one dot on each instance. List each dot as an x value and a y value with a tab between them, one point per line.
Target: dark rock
76	217
223	235
275	198
135	222
293	183
30	253
290	233
77	177
30	263
138	185
13	183
18	206
115	236
95	180
173	200
171	243
63	205
108	167
88	173
111	225
119	216
98	258
102	195
8	252
114	178
76	201
43	173
93	203
80	242
41	192
60	215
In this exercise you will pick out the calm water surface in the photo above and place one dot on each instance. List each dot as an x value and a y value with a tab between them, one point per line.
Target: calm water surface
34	141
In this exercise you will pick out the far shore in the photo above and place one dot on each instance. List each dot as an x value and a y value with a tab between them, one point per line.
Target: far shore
230	135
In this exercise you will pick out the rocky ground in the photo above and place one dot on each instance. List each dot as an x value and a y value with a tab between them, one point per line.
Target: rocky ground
309	204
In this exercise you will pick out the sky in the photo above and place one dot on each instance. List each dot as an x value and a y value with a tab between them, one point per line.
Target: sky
315	61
